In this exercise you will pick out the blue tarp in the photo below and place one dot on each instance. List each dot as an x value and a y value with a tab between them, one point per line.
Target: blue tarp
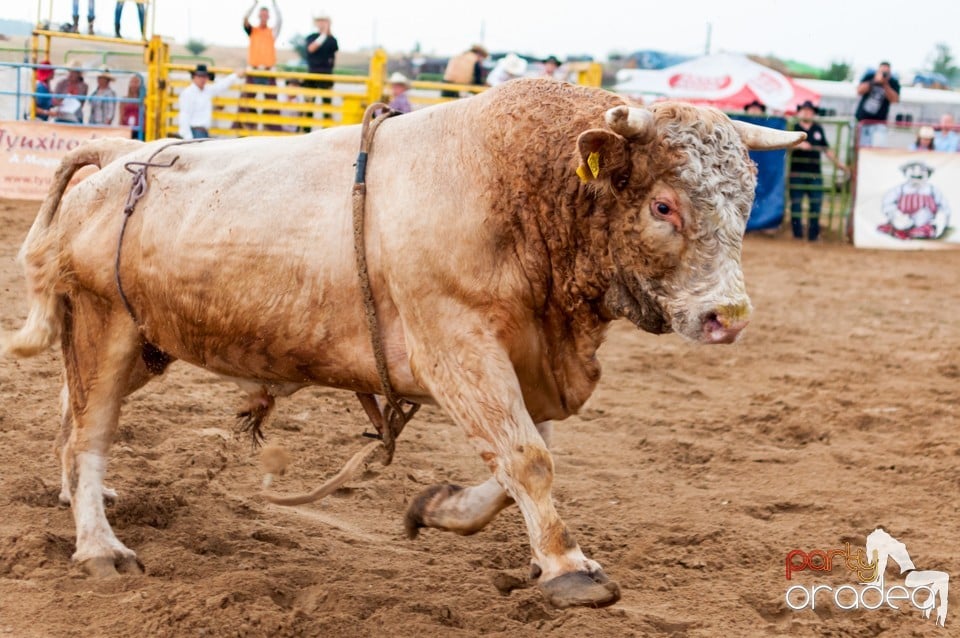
768	203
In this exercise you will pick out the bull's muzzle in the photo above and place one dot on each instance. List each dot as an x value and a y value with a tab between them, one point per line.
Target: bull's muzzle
723	325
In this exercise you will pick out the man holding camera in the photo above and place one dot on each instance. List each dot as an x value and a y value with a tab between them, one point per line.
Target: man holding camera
877	91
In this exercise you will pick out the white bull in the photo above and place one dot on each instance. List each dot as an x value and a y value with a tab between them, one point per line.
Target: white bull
504	233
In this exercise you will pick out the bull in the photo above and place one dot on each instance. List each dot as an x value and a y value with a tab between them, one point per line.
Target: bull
504	233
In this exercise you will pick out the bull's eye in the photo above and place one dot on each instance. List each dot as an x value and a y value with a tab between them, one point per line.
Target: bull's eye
664	211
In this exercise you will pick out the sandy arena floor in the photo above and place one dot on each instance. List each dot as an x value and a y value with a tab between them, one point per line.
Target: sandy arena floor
689	476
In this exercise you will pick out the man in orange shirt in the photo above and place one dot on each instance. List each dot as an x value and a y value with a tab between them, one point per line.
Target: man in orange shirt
261	54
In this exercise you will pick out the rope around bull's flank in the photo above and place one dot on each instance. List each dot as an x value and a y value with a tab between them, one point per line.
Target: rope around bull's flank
137	190
394	416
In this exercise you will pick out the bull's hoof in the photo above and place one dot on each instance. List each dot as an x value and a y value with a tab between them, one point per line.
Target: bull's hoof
107	566
581	589
422	503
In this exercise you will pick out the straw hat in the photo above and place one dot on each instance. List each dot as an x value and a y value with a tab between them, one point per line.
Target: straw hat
76	65
104	72
321	15
398	78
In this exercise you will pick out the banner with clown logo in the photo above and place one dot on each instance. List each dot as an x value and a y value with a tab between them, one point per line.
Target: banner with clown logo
907	200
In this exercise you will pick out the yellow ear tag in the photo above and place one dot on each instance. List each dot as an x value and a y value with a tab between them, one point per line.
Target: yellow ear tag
582	174
593	161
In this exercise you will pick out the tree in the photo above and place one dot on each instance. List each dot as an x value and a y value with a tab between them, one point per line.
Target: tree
195	47
839	71
942	62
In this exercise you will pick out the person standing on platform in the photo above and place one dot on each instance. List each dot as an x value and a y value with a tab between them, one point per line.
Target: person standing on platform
322	50
261	55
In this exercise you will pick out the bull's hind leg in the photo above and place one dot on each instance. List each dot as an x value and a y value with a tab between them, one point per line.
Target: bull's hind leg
474	381
146	368
462	510
100	352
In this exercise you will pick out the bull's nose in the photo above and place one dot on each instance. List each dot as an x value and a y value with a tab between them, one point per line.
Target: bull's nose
719	328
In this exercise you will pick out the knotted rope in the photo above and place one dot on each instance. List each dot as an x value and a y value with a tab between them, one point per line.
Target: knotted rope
137	190
395	417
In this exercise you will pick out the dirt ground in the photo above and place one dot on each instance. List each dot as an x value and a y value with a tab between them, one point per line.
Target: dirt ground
689	476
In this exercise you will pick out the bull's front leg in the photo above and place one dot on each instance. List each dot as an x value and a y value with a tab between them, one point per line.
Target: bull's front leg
463	510
474	381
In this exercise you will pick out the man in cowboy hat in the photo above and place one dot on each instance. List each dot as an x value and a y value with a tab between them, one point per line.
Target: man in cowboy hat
509	67
806	179
196	102
322	50
71	92
399	85
756	107
103	101
551	68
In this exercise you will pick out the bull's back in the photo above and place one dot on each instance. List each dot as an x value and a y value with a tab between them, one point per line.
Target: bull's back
239	257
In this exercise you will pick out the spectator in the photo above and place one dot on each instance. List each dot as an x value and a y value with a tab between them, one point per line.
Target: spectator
466	68
509	67
196	102
925	138
141	14
805	172
399	85
76	16
261	54
877	90
130	111
551	69
322	50
946	138
70	93
42	102
756	108
103	101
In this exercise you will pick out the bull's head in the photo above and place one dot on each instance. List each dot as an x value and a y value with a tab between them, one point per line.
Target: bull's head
678	186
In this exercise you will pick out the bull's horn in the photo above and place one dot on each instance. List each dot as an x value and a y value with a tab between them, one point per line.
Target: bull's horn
762	138
630	121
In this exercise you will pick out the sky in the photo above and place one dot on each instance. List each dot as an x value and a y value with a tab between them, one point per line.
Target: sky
817	32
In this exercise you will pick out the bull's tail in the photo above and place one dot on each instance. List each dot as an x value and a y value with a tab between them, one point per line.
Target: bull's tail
40	254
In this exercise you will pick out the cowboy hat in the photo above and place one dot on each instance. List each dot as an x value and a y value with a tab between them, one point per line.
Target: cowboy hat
105	72
480	50
514	64
398	78
322	15
200	70
76	65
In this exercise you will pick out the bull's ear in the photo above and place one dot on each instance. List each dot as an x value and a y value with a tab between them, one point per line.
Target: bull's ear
600	153
764	138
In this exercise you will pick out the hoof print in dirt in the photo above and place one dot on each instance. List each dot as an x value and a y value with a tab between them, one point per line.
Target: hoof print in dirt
581	589
107	567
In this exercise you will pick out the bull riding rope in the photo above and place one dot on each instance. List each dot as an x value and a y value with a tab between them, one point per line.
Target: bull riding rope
393	417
